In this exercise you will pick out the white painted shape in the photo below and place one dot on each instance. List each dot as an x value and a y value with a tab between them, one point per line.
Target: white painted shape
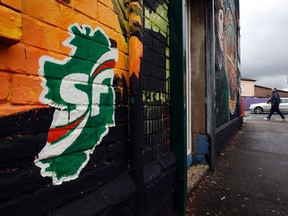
50	151
62	118
70	93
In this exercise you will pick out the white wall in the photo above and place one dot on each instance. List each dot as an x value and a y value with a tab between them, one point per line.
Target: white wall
247	88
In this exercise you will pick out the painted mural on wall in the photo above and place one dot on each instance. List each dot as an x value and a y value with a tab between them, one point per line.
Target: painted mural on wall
77	91
156	94
226	61
154	21
133	13
133	31
149	20
80	88
60	116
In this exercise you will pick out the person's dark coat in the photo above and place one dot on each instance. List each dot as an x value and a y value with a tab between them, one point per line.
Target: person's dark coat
275	98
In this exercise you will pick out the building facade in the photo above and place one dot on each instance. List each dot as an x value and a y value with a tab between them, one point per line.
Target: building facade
247	87
105	104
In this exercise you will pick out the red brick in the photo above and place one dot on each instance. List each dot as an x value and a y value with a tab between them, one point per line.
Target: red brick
16	4
70	16
8	109
69	3
47	11
87	7
109	4
26	89
4	87
122	61
10	26
41	35
108	17
24	59
13	58
33	55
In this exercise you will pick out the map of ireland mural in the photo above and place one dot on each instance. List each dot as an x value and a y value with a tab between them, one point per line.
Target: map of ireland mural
80	89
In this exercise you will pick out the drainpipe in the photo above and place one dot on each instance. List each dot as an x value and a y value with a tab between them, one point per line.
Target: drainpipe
210	78
136	102
178	102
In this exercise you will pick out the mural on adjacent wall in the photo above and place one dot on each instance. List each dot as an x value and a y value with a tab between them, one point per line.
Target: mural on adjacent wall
80	88
155	22
156	96
131	11
135	40
226	61
230	58
76	96
150	19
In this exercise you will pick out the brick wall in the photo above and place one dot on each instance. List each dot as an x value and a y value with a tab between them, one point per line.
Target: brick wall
261	91
160	185
65	131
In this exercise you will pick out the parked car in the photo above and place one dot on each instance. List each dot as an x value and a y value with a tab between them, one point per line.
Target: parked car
264	107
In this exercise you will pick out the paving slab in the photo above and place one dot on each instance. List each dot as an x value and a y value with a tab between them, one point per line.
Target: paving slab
251	174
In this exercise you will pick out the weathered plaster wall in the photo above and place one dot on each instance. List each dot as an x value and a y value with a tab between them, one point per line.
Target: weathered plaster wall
198	70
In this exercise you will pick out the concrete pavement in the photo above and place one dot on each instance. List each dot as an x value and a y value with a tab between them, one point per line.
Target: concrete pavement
251	176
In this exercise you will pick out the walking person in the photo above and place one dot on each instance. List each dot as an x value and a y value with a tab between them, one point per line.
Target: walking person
275	101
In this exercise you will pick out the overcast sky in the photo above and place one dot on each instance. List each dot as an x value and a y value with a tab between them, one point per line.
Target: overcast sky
264	42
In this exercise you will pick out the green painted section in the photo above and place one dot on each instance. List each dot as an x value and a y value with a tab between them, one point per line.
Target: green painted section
157	21
178	113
